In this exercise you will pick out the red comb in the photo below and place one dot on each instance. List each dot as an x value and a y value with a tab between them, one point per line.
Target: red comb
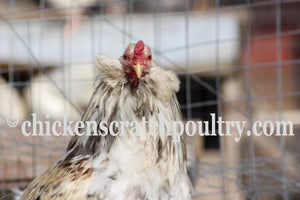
139	47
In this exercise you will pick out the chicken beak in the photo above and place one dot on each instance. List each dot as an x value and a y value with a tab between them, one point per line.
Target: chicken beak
138	68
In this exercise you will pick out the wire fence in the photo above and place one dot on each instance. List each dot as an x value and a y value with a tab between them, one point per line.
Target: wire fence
236	58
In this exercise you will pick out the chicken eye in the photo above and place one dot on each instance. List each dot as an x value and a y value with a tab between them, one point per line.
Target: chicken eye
149	57
125	57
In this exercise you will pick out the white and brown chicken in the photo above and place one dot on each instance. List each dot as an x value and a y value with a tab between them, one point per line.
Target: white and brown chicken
123	167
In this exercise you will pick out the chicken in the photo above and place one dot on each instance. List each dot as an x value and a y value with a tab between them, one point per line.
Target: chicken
44	98
12	106
128	167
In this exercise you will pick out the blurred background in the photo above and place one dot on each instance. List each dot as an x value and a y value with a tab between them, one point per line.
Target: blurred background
239	59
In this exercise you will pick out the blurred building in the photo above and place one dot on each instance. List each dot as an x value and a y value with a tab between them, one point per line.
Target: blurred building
236	58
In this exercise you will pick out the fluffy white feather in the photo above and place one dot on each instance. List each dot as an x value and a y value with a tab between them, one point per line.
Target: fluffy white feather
120	167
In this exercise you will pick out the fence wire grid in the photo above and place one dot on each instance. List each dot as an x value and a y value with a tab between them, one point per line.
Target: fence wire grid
239	59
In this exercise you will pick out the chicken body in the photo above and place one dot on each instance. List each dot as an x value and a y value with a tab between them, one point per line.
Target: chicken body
122	167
